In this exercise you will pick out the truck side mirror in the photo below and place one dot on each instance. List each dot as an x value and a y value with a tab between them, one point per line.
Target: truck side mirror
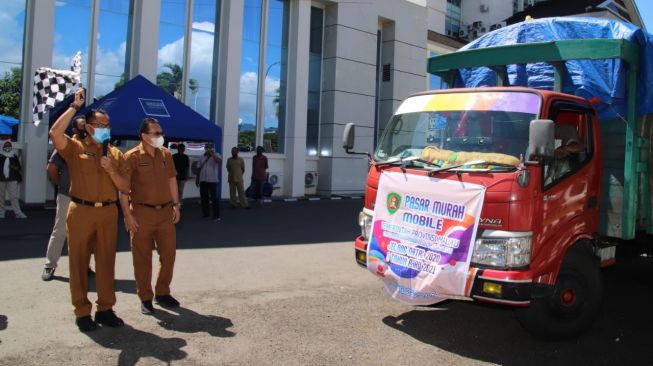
348	136
541	138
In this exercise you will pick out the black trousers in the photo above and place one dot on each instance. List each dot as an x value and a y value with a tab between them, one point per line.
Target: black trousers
257	188
209	197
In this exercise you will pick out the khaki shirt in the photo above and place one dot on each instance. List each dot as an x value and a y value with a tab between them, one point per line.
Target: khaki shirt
150	176
235	168
88	180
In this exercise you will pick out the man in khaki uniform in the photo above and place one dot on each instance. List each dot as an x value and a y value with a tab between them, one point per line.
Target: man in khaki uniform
92	221
151	215
236	169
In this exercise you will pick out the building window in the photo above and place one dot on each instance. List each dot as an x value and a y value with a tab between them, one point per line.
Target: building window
434	82
249	67
453	18
12	13
113	24
276	66
73	22
263	75
72	26
200	89
170	63
314	81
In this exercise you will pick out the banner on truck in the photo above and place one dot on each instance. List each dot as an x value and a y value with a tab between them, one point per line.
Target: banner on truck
422	238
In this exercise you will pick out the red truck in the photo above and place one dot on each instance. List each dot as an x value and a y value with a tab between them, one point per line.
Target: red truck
561	185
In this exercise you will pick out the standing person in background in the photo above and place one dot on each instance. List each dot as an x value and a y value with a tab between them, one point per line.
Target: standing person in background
58	175
10	176
207	180
95	170
182	163
259	174
151	213
236	169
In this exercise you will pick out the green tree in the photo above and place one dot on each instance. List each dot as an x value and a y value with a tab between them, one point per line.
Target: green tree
171	80
120	82
10	91
246	140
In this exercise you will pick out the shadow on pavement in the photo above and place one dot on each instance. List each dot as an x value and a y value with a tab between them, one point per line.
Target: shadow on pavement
488	333
274	223
188	321
120	285
4	321
135	344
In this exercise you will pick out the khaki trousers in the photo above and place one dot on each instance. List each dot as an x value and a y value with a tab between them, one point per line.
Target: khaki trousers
155	230
58	236
92	230
237	186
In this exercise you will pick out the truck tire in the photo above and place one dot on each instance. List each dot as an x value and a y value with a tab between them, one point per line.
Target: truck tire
575	302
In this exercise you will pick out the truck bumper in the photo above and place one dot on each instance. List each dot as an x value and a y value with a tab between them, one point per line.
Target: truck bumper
504	287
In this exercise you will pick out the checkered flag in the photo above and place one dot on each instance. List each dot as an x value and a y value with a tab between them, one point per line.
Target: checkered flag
51	86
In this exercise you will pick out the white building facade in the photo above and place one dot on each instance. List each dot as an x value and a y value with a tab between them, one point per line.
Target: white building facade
284	74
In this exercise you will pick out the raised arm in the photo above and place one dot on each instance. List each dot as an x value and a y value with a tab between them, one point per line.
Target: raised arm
58	130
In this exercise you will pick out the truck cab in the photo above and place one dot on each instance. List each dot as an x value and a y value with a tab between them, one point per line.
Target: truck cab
553	201
537	204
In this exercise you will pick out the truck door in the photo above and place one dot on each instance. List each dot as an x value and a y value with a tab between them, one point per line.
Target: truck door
568	188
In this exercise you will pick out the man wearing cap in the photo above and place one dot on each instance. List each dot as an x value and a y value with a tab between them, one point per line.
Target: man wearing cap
151	212
95	177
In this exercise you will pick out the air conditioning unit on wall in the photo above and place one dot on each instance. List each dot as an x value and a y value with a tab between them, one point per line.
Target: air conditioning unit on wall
276	179
310	183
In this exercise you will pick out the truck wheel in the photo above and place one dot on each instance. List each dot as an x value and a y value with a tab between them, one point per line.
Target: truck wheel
575	302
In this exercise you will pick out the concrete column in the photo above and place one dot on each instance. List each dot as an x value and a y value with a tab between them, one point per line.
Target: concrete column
348	94
297	98
228	85
37	52
144	39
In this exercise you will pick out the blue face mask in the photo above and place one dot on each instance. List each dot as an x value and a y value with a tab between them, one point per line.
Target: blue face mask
101	135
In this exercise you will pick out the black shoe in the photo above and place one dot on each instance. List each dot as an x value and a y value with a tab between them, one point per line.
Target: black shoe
147	308
167	301
85	324
108	318
90	272
48	274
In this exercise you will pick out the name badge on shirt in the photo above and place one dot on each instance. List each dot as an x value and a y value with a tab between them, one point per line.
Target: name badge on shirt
143	163
89	153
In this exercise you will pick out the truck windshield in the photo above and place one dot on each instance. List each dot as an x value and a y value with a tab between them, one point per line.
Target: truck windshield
491	131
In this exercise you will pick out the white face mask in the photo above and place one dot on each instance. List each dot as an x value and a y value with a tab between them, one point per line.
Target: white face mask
156	142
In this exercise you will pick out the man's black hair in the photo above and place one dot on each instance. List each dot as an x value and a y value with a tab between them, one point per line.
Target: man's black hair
90	115
145	125
76	119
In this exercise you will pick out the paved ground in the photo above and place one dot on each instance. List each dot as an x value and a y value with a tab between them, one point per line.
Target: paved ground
277	285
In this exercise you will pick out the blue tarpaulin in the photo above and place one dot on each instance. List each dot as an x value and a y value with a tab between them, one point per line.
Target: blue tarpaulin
139	98
604	79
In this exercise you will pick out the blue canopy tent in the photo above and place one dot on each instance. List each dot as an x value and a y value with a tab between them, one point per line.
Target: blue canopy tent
6	124
139	98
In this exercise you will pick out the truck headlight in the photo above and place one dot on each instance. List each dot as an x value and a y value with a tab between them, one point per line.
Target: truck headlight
503	249
365	222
